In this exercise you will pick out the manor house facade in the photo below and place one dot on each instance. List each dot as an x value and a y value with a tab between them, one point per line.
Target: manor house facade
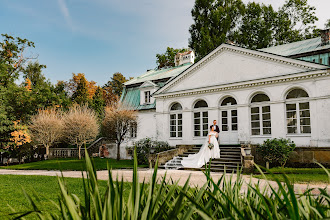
253	94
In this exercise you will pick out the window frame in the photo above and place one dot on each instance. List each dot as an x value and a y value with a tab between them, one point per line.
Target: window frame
260	105
178	114
297	111
133	130
147	97
202	111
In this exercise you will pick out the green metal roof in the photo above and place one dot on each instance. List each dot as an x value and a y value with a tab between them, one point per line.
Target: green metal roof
295	48
159	74
131	97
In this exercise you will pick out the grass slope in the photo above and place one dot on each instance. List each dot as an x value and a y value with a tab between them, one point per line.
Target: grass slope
299	175
72	164
46	188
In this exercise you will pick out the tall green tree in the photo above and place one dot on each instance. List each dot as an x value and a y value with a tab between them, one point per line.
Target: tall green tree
98	102
256	27
80	96
6	125
33	72
116	83
252	25
214	23
167	59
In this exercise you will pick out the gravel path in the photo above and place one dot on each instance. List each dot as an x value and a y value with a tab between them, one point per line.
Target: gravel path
197	178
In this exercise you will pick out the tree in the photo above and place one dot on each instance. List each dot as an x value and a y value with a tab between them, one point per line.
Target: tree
73	83
6	125
80	96
116	83
81	126
167	59
116	123
33	72
109	97
47	127
12	58
327	24
256	27
98	102
214	23
252	26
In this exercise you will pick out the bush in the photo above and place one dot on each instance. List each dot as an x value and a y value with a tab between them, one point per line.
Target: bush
276	150
144	146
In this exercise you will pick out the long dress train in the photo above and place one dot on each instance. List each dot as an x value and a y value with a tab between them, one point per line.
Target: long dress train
204	155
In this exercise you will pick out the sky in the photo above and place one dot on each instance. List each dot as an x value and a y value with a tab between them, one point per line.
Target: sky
101	37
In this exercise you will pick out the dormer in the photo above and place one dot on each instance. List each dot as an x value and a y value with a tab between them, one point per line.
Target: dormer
185	57
146	90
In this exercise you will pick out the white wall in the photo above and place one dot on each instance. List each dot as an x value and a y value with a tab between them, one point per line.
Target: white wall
319	93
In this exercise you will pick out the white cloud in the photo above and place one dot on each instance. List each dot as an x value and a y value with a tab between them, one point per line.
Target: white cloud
65	12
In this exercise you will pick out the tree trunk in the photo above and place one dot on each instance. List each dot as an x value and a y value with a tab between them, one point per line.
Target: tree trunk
267	165
79	155
118	151
47	150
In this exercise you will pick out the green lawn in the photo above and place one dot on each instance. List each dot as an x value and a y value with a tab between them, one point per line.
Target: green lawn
299	175
46	187
72	164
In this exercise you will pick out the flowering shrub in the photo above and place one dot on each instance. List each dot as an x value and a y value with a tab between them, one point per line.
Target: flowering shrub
276	150
143	147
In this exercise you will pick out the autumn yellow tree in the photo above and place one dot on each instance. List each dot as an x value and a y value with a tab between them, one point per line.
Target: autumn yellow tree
20	135
72	85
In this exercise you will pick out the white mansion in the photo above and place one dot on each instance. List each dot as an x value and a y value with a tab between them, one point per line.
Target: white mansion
254	95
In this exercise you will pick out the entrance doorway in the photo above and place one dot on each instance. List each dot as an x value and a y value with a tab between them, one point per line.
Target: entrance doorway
228	120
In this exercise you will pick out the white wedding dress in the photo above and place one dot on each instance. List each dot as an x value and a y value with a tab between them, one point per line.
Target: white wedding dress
204	155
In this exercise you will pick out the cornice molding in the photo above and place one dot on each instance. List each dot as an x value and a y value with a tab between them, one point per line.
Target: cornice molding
242	51
247	85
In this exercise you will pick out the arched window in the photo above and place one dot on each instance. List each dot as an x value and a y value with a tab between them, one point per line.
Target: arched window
176	120
297	112
176	106
200	119
228	114
260	115
201	104
228	101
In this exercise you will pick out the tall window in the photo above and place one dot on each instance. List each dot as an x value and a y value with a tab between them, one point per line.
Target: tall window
133	130
260	115
229	114
147	96
200	119
176	120
297	112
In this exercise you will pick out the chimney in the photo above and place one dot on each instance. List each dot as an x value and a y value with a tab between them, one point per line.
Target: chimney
325	37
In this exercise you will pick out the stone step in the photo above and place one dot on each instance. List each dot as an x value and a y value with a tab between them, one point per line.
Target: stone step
229	154
227	159
230	150
230	158
218	170
226	162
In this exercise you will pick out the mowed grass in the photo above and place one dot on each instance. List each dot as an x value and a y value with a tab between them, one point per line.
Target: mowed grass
46	187
299	175
72	164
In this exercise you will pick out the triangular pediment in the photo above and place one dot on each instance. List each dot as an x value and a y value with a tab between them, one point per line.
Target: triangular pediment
147	84
231	64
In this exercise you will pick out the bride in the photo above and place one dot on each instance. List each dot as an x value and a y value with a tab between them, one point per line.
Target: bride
205	153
